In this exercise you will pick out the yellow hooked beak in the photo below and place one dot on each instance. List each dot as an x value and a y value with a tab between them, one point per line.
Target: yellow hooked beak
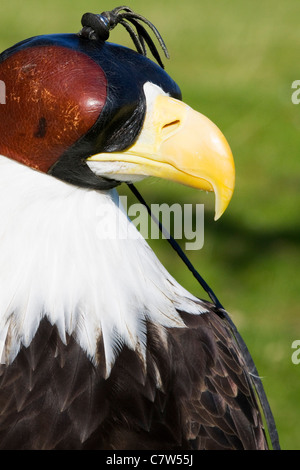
180	144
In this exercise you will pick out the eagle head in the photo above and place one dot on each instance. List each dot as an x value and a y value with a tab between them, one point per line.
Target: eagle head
94	114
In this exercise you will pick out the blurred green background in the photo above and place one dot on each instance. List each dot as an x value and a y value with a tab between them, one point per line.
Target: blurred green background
235	61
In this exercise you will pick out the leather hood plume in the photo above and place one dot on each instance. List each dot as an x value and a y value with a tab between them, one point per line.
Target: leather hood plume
74	95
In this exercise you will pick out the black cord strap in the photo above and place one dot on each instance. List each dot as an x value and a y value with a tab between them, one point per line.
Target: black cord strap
258	386
177	248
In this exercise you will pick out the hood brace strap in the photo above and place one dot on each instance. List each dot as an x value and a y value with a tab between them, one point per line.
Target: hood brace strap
252	370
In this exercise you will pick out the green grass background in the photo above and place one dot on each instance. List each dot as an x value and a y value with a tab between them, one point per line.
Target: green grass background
235	61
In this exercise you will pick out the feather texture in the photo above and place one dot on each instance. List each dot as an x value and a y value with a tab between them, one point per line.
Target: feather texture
69	404
71	255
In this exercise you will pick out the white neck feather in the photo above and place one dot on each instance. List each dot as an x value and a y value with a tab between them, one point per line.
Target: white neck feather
60	259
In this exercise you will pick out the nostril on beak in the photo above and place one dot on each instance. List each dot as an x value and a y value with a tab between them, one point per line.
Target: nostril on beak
170	127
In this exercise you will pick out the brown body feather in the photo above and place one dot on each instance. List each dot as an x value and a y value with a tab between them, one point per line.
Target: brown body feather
195	393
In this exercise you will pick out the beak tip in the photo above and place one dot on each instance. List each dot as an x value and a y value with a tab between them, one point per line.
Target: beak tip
218	214
223	197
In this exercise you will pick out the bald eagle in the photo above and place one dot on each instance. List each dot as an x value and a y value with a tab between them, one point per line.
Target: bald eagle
100	347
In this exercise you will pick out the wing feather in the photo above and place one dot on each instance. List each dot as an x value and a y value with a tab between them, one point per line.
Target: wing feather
192	391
